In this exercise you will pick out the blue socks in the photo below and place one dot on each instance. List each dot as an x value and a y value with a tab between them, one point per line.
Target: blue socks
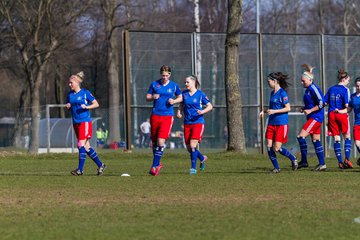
319	150
193	156
199	155
337	150
93	155
272	157
347	148
82	158
287	154
158	152
303	149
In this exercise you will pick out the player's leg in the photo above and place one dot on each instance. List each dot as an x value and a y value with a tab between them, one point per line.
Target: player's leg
337	151
319	150
345	130
356	134
193	155
334	131
94	156
80	134
305	131
269	135
164	125
281	137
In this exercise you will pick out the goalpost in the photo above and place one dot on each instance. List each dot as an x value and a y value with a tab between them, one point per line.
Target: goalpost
57	134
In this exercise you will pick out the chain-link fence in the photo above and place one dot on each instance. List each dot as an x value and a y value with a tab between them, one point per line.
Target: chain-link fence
259	54
203	54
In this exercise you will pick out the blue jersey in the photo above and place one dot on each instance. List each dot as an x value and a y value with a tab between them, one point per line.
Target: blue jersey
355	104
314	97
192	104
76	99
161	106
278	101
336	97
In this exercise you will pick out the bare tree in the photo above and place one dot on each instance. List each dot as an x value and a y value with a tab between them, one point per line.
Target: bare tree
38	29
236	141
113	24
197	39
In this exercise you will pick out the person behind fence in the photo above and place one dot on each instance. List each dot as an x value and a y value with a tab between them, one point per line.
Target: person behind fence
192	104
100	137
337	98
145	128
278	128
314	112
80	101
162	92
355	104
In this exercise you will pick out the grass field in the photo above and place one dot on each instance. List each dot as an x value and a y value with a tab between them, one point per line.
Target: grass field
235	198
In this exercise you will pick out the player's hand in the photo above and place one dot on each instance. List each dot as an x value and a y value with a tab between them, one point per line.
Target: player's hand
156	96
83	106
178	114
200	112
336	110
300	109
306	111
68	105
270	111
171	101
261	114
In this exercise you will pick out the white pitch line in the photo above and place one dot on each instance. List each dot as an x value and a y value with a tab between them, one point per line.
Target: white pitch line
357	220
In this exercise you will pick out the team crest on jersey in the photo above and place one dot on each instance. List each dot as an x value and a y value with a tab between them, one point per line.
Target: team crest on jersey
158	86
169	90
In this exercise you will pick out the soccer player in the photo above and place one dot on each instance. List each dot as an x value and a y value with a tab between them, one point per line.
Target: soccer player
337	98
80	101
192	107
355	104
161	93
313	109
277	128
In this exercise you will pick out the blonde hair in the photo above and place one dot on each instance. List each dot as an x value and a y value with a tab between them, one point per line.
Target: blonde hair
195	79
80	75
308	71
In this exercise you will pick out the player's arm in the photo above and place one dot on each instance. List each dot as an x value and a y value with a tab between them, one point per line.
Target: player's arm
320	103
285	109
308	111
94	104
178	99
152	97
344	110
68	104
208	108
179	111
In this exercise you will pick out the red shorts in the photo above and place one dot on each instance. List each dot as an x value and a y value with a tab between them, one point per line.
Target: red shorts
356	132
312	126
338	123
193	131
277	133
160	126
83	130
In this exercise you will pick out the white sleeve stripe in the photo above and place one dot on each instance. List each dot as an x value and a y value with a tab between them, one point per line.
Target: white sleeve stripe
318	95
